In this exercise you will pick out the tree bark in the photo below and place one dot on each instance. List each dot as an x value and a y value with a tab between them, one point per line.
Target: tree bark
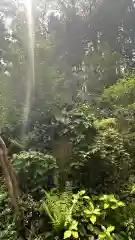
9	175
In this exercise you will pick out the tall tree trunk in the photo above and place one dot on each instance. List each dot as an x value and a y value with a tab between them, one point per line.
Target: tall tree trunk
13	188
9	175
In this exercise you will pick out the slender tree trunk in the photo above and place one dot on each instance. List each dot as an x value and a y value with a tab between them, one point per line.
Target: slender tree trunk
8	182
9	175
13	188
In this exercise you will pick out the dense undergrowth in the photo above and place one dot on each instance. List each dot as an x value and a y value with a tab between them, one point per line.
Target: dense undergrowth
69	120
95	158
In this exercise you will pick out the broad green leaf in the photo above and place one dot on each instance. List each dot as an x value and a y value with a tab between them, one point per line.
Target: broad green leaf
75	196
73	225
131	226
93	219
112	198
104	197
91	206
74	201
67	234
96	211
121	204
82	192
103	228
110	229
101	236
75	234
86	197
87	212
106	205
114	207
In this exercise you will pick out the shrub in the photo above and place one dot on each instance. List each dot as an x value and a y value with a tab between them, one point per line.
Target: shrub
7	220
85	217
36	171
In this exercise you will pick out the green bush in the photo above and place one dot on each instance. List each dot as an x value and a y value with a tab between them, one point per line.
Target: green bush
112	158
84	217
7	218
59	208
35	170
100	160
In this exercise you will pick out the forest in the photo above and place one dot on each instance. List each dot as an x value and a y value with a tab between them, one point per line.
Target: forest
67	119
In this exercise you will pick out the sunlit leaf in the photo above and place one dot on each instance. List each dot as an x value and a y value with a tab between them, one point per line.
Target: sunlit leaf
96	211
91	206
67	234
110	229
121	204
75	234
93	219
86	197
82	192
114	207
106	205
73	225
87	212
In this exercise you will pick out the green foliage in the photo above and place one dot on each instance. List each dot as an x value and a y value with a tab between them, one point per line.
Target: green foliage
72	99
96	142
120	94
109	148
105	123
85	217
7	218
96	217
36	171
59	209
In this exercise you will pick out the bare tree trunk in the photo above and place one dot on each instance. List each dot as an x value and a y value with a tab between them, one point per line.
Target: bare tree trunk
9	175
13	189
